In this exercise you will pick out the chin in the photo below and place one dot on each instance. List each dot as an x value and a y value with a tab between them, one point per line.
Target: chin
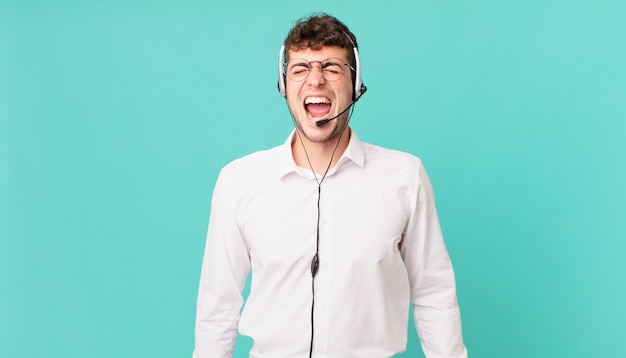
328	132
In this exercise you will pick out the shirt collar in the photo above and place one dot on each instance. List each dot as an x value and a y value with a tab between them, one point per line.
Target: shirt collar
354	152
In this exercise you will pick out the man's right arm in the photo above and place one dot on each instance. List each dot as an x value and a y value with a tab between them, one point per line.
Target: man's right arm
225	267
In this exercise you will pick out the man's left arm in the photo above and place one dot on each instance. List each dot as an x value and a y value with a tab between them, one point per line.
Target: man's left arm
433	286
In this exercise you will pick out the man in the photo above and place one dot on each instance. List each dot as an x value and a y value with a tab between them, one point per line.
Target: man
341	236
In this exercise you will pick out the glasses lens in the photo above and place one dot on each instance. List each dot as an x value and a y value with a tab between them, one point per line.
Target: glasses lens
332	69
299	69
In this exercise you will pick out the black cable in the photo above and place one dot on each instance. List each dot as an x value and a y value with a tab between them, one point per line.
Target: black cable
315	261
314	268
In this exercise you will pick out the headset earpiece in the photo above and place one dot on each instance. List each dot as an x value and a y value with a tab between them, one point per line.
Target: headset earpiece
281	72
358	83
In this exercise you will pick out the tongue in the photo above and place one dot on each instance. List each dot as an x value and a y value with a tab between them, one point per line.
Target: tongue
318	109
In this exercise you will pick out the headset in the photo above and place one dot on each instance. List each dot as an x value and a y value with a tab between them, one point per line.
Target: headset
358	89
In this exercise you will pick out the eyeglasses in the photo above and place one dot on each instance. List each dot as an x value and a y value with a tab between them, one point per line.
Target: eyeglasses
332	69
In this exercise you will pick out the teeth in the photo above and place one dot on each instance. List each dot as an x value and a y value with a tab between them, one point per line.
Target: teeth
310	100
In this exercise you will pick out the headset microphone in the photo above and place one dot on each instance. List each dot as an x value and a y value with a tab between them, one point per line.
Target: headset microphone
324	121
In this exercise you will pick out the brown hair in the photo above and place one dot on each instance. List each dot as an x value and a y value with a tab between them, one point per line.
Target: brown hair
317	31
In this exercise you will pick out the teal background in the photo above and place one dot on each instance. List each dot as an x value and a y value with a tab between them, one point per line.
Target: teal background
115	118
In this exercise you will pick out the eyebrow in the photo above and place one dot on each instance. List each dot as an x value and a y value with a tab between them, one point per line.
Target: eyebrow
302	63
324	63
327	63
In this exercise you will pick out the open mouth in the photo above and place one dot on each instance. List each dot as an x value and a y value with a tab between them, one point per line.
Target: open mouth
317	107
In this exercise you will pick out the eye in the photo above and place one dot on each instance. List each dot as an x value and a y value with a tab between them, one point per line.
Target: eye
299	68
332	67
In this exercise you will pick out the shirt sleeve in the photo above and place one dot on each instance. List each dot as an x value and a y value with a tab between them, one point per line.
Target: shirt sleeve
225	267
433	287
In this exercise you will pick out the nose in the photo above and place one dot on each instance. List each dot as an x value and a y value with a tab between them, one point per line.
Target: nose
316	77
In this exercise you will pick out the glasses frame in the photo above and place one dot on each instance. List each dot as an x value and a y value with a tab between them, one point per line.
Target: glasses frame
310	68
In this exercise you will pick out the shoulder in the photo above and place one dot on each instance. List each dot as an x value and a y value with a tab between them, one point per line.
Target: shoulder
400	170
250	161
387	159
255	166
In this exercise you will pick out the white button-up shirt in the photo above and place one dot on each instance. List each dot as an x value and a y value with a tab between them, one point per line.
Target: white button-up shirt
380	250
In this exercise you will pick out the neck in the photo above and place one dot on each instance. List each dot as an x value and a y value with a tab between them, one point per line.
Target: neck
319	153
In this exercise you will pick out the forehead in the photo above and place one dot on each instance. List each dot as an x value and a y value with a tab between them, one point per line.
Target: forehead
320	54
